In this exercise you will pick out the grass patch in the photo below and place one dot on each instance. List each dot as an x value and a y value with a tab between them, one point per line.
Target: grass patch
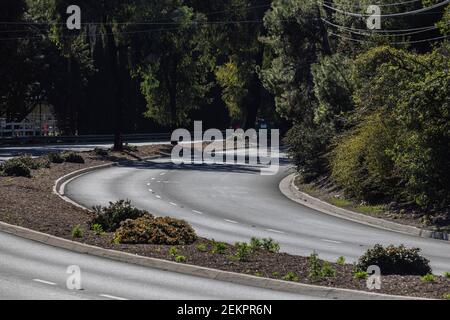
368	209
339	202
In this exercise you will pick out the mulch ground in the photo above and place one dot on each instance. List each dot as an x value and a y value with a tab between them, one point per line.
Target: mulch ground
30	203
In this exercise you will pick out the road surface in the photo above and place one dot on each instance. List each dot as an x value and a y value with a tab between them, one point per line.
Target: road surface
30	270
234	203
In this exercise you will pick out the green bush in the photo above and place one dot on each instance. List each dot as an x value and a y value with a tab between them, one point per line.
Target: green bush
201	247
98	229
395	260
180	259
360	162
15	168
446	296
267	244
219	247
77	232
149	230
361	274
33	163
243	251
428	278
173	251
55	157
317	270
110	217
73	157
447	275
291	276
340	261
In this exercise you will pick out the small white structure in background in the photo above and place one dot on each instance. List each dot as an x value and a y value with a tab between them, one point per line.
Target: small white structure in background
39	122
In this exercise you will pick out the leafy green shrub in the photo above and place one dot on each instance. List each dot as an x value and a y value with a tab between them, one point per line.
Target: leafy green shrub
428	278
243	251
318	269
180	259
15	168
395	260
361	164
219	247
446	296
447	275
291	276
110	217
340	261
361	274
98	229
267	244
77	232
201	247
73	157
173	251
32	163
55	157
275	274
149	230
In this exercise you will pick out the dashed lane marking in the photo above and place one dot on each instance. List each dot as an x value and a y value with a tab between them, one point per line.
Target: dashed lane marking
275	231
112	297
331	241
45	282
231	221
197	212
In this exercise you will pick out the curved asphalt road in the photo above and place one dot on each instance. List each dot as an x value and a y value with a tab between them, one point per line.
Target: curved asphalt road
234	203
30	270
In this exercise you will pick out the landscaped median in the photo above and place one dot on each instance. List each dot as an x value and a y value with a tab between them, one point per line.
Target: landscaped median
29	202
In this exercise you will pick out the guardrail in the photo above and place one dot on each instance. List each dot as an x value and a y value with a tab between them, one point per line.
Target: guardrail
83	139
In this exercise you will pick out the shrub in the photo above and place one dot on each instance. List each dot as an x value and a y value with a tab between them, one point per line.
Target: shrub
428	278
180	259
270	245
110	217
55	157
243	251
275	274
101	152
77	232
173	251
32	163
340	261
291	276
395	260
319	270
447	275
98	229
149	230
267	244
73	157
446	296
15	168
219	247
361	274
201	247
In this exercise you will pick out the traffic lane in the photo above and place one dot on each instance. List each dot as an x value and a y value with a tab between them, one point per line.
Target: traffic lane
40	273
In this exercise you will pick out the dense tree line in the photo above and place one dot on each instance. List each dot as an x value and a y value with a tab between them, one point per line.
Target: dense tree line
369	109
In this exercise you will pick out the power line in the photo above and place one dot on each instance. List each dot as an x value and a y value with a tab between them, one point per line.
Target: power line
379	5
399	14
394	43
392	32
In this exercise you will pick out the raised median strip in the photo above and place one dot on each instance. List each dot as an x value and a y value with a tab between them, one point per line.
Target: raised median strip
290	190
243	279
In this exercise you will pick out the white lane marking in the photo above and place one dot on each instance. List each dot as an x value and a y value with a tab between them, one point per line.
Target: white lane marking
112	297
153	178
231	221
275	231
45	282
150	190
149	184
331	241
174	204
159	197
162	173
197	212
158	181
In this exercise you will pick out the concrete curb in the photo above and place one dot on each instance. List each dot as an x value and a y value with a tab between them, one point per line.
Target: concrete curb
237	278
290	190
